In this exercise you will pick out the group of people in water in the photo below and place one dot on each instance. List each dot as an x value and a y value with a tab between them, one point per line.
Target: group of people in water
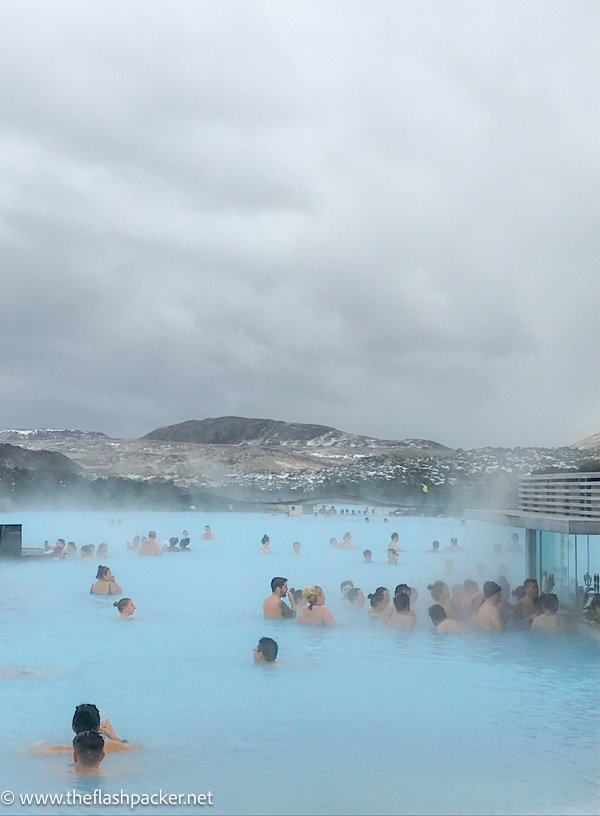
68	549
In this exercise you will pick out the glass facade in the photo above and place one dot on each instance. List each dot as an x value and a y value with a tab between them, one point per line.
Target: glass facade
564	562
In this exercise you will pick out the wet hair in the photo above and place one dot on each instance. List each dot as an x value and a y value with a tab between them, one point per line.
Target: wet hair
402	602
528	582
264	539
71	546
86	718
402	588
121	604
437	613
469	584
268	648
88	745
102	570
435	545
382	590
277	582
437	589
87	549
295	544
151	533
550	602
491	588
518	593
345	584
102	548
454	540
367	552
173	541
353	594
297	593
395	537
311	595
375	599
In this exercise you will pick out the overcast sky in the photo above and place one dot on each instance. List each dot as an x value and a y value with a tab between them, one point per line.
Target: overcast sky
381	216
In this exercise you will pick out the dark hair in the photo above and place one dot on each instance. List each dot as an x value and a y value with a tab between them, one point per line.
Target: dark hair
173	541
102	570
435	544
381	590
518	592
375	598
367	552
437	613
268	648
102	548
491	588
550	602
470	584
528	582
297	593
437	589
395	535
86	718
121	604
402	588
264	539
151	533
88	745
353	594
277	582
402	602
345	583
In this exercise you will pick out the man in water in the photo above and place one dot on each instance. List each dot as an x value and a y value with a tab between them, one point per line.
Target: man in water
266	650
345	588
395	543
549	620
487	617
150	545
208	534
435	547
86	719
441	621
368	556
88	752
296	548
525	608
274	607
392	555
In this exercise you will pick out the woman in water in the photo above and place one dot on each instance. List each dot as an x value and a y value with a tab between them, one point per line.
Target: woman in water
265	544
440	594
346	543
106	583
315	613
378	602
126	608
402	617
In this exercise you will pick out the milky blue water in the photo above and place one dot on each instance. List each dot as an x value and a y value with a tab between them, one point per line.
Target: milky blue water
358	719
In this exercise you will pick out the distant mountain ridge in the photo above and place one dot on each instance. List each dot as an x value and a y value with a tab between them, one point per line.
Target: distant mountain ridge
234	430
590	443
31	434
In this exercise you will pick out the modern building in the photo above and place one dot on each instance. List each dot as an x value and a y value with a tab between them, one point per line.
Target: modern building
560	513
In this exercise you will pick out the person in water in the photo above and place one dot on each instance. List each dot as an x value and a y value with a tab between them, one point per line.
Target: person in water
208	534
102	550
184	541
368	556
525	609
402	617
378	603
549	620
296	548
454	546
87	718
333	542
395	543
149	545
487	617
356	598
88	752
393	556
106	583
345	588
435	547
315	613
296	594
266	650
440	594
126	608
346	543
265	544
87	552
441	621
274	607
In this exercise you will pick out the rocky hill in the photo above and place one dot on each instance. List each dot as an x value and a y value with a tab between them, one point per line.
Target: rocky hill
233	430
46	434
590	444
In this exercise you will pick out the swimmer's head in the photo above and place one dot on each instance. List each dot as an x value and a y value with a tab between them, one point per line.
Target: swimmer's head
346	586
402	588
402	602
470	586
102	549
173	542
383	591
266	650
376	600
356	597
439	591
71	547
530	585
265	539
395	537
367	555
435	545
437	614
279	584
103	572
491	590
550	602
86	718
125	606
311	595
296	546
518	593
88	751
152	534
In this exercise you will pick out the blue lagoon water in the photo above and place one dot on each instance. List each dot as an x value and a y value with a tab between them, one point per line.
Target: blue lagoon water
358	719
